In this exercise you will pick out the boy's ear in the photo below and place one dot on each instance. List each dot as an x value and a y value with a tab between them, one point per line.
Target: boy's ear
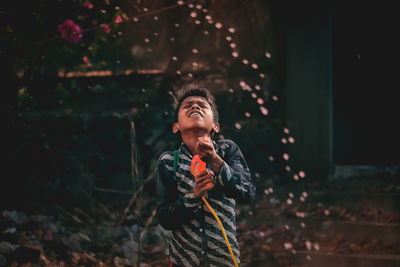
216	127
175	127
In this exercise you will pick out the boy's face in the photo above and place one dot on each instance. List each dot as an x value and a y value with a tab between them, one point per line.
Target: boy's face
195	113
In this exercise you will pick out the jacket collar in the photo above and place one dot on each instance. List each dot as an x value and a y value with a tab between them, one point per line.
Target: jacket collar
184	149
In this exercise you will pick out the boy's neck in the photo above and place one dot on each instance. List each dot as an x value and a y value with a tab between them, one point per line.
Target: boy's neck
190	140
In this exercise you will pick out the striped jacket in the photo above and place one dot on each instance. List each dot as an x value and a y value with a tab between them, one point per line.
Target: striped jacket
196	237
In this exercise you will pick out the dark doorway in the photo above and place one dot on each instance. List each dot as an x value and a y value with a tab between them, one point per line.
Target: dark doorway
366	106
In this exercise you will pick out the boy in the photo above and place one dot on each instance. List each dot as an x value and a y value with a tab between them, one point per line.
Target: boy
196	238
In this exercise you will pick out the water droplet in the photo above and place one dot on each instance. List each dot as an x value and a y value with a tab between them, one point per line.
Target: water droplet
231	30
291	195
145	9
228	38
238	126
174	58
264	110
308	245
146	40
302	174
230	90
198	6
289	201
205	32
275	98
260	101
287	245
271	158
295	177
247	114
287	168
198	22
232	45
245	61
195	51
193	14
218	25
262	75
291	140
254	66
286	130
283	140
155	18
235	54
180	2
267	55
177	25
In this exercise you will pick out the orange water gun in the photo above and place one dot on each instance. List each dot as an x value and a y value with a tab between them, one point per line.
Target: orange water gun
198	166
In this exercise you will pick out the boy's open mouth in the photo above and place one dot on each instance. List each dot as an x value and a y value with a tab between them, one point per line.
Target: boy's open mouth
195	113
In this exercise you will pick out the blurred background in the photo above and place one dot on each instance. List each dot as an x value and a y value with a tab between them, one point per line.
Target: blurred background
307	91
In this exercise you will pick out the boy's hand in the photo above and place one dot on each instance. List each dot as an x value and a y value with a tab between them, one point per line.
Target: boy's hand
206	152
205	181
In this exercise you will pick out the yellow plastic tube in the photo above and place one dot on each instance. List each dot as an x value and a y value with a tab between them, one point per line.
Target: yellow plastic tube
219	222
222	229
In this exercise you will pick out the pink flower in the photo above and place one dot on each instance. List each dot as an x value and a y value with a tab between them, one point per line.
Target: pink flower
88	5
70	31
105	28
87	61
118	19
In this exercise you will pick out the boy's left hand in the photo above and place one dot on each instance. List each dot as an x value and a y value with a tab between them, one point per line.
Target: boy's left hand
205	150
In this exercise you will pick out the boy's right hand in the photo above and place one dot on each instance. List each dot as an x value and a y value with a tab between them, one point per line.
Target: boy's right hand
205	181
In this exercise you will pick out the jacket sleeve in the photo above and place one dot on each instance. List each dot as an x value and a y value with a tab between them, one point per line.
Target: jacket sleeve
235	176
172	210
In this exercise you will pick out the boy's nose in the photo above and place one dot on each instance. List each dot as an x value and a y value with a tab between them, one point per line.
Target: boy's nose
195	106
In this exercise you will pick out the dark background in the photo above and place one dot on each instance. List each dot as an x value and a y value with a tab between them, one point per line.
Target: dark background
365	91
